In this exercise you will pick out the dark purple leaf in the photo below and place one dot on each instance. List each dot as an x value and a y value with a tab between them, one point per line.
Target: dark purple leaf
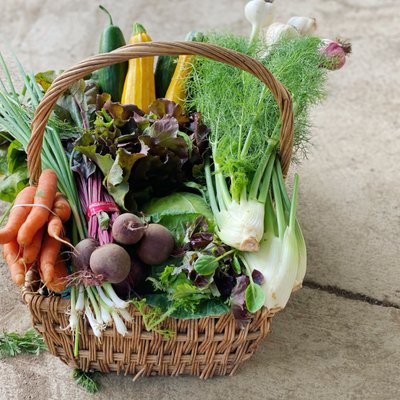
241	315
224	281
202	281
164	132
201	240
164	107
200	133
258	277
121	114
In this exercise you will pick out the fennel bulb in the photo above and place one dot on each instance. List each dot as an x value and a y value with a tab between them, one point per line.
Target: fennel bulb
278	261
241	225
282	255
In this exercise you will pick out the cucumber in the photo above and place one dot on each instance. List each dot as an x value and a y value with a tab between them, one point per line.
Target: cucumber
166	66
164	71
111	79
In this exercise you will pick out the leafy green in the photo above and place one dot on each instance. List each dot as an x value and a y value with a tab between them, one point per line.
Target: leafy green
46	78
180	289
177	211
142	156
154	316
77	104
12	343
204	308
255	297
242	113
3	159
14	168
206	265
86	380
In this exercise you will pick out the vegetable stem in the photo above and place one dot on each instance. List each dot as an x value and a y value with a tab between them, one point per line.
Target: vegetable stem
279	206
210	187
225	254
6	212
292	218
265	184
108	13
223	195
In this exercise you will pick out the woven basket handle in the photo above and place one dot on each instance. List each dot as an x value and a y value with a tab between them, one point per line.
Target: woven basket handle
248	64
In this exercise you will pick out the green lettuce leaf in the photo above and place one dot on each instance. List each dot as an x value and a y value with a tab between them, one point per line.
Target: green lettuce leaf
13	168
177	211
118	176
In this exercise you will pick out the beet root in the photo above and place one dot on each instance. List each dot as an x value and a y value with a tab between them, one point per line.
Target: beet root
127	229
110	261
156	245
83	251
134	282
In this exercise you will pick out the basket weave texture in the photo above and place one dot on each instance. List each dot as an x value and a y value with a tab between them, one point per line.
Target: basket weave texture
203	347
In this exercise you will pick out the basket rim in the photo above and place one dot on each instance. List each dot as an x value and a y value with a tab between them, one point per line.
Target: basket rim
150	49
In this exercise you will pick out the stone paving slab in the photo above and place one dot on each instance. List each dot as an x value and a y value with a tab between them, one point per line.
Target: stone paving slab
321	347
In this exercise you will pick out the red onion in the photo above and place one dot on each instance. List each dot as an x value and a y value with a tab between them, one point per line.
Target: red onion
335	52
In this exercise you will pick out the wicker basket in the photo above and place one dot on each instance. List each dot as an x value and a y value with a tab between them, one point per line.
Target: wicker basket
203	347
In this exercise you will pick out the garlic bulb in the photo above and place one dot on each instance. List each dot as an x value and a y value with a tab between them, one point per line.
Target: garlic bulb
260	14
305	25
278	31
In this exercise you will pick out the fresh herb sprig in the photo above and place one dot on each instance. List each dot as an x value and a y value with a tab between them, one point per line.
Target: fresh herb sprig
86	379
12	343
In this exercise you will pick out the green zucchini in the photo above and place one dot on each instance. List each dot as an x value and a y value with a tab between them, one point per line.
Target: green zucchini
166	66
111	79
164	70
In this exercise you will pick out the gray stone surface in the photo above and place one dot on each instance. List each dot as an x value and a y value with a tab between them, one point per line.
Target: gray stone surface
322	346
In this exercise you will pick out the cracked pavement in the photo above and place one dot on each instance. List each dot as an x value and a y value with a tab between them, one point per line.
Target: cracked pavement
339	337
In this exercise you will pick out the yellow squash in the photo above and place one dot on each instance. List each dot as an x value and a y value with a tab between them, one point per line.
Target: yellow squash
139	86
176	90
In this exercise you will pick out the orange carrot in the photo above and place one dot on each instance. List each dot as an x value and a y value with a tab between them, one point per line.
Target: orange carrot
17	215
18	272
44	199
48	257
11	253
61	207
55	227
58	284
32	251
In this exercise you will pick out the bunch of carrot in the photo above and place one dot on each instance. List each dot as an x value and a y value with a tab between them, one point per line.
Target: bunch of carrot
34	233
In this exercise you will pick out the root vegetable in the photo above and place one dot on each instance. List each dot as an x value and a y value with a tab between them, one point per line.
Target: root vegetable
83	251
134	281
11	254
58	284
61	207
127	229
31	252
18	215
48	257
156	245
111	261
43	201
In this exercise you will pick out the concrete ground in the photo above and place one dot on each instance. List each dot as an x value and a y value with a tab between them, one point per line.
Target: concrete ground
339	337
